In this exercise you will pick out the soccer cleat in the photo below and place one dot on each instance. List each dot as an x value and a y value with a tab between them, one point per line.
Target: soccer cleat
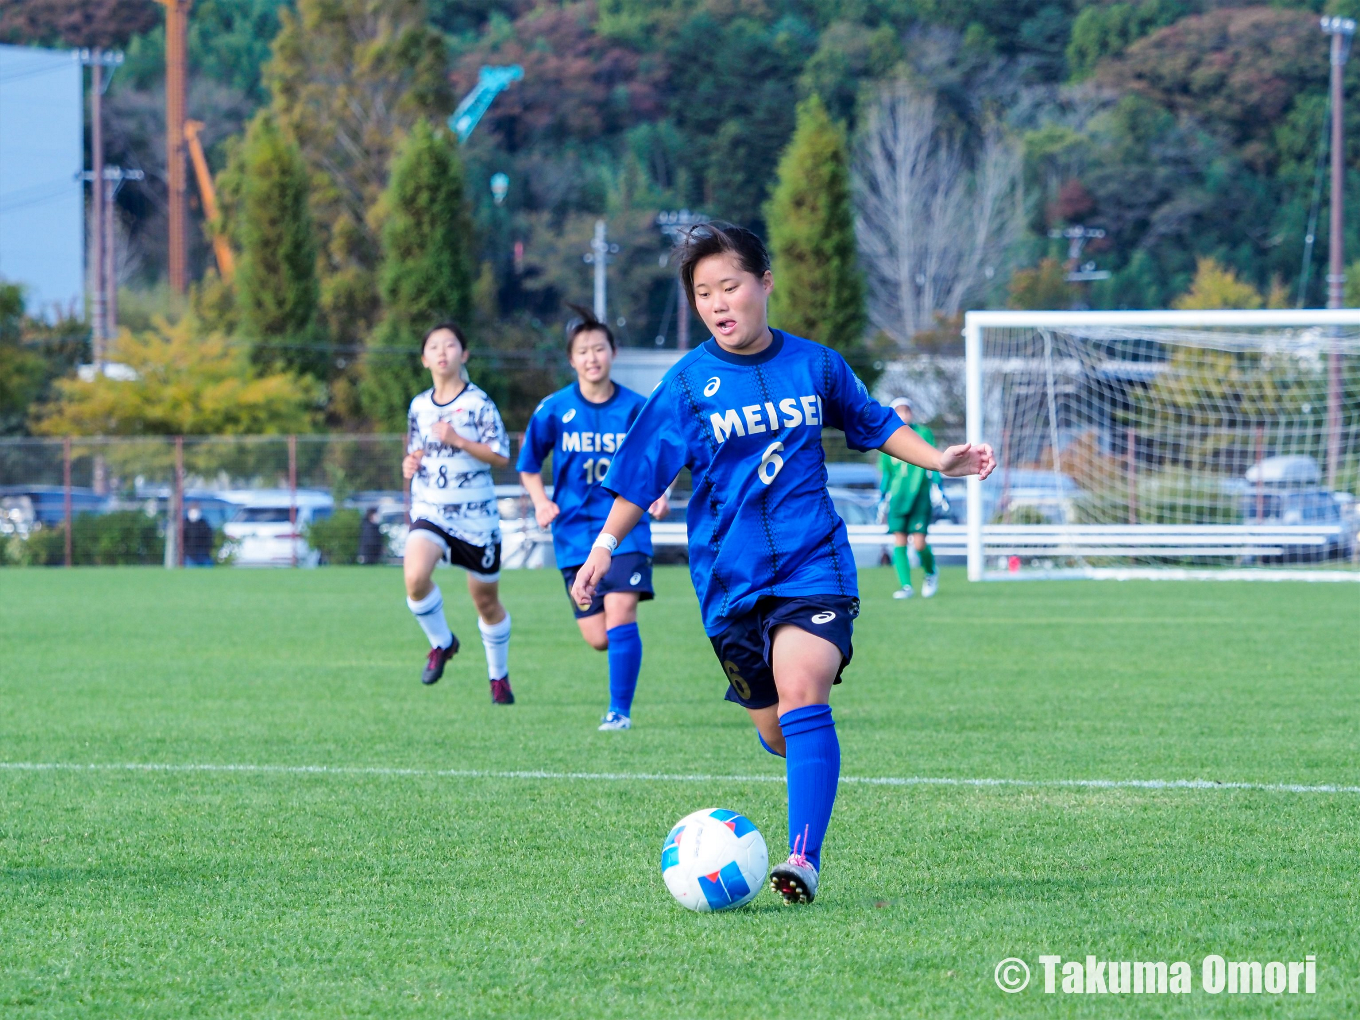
615	721
501	694
434	665
903	592
795	880
932	583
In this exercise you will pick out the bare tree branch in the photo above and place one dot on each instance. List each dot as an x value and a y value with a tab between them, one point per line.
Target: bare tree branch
932	229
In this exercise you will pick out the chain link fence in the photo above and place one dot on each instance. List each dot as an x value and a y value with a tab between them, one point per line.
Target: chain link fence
304	500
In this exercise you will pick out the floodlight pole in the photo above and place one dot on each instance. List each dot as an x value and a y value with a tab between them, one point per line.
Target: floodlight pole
1342	30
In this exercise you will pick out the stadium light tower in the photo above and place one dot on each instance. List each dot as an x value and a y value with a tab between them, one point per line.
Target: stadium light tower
1342	31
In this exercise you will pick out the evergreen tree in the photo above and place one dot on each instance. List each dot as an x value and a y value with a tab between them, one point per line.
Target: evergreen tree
276	284
426	271
818	292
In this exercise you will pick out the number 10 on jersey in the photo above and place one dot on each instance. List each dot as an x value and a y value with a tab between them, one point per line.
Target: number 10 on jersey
596	469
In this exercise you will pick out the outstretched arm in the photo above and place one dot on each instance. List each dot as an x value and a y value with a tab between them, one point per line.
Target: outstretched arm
623	518
967	459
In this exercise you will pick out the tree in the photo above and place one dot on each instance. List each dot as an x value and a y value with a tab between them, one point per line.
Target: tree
1216	286
1043	287
22	370
426	270
74	22
276	287
932	229
819	292
185	384
348	79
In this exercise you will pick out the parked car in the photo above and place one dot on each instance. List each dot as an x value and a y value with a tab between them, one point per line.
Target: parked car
1048	495
263	532
522	541
27	505
1287	491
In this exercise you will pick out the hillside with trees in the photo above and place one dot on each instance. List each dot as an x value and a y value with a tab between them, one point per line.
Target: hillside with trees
948	140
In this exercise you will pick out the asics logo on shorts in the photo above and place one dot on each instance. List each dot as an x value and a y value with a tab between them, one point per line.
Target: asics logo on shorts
569	416
826	617
712	386
635	578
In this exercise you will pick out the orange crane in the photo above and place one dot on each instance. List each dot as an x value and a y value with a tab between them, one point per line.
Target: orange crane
226	261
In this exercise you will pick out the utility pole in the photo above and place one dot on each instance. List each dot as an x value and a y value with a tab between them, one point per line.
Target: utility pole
97	60
676	226
114	176
1342	31
176	23
98	323
600	250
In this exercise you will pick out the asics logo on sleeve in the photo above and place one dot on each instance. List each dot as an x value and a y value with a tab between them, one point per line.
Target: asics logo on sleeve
826	617
569	416
712	386
756	418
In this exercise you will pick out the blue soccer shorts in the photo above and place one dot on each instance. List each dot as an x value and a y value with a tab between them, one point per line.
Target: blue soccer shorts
744	647
627	572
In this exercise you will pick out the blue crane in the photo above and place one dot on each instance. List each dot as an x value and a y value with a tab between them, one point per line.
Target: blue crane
492	80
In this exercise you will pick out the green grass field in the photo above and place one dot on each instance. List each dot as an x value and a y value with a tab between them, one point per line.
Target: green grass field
350	891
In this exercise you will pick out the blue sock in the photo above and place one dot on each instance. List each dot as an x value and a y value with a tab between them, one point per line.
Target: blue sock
625	662
767	746
814	768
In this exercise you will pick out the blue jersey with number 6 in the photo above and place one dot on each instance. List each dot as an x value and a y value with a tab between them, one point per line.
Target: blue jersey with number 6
749	428
583	439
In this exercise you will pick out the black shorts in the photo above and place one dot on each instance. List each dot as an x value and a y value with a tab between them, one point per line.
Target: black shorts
628	572
482	562
744	647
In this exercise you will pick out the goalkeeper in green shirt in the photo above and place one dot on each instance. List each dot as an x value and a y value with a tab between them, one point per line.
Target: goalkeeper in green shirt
905	491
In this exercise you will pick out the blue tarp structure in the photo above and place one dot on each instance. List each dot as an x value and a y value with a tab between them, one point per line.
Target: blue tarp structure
42	200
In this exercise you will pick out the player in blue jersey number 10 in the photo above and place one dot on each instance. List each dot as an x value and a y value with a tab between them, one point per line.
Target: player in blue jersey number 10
582	426
769	556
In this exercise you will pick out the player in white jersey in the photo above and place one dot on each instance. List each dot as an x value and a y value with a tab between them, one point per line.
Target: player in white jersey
455	436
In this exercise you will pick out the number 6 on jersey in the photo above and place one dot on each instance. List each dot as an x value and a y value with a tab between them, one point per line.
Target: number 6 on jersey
770	463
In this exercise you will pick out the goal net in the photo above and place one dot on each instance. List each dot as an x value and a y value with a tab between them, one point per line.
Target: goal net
1216	444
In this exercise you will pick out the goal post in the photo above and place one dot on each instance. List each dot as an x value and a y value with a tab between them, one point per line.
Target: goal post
1165	444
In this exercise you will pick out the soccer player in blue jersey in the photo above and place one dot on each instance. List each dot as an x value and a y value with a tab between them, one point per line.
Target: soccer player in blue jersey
769	556
582	426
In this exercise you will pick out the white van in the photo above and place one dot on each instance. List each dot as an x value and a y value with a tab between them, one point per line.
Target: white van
263	533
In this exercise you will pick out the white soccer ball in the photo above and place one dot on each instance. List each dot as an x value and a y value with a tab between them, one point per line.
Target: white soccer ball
714	859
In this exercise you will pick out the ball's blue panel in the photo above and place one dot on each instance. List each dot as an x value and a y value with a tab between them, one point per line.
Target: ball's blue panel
670	850
739	824
725	887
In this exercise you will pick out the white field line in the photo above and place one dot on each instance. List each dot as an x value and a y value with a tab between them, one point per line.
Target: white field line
664	777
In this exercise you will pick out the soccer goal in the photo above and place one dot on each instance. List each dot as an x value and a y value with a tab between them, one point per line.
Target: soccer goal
1202	444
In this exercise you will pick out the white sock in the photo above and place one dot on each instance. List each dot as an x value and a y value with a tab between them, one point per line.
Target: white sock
496	641
429	613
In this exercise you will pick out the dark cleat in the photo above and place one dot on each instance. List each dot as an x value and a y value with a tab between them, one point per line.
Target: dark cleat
501	694
434	665
795	880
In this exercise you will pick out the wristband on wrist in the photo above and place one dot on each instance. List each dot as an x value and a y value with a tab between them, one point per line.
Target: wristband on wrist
607	542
